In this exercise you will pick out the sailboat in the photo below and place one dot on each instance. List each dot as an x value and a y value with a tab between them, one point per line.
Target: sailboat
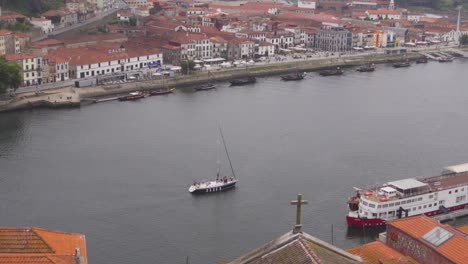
221	183
162	91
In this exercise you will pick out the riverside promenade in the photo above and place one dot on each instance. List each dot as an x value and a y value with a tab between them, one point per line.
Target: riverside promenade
239	72
55	97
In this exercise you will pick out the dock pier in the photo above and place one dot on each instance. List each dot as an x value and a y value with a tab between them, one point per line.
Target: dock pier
451	215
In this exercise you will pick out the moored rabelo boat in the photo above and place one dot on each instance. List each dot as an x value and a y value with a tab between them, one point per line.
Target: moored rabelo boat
243	81
132	96
445	59
401	64
366	68
208	86
161	92
293	76
409	197
331	72
421	60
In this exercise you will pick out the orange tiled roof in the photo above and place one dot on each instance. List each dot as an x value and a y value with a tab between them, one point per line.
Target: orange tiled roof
22	240
4	32
454	248
39	246
101	53
463	229
18	56
377	253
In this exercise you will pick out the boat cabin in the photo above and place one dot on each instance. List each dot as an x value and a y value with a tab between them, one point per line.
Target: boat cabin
409	187
387	191
455	169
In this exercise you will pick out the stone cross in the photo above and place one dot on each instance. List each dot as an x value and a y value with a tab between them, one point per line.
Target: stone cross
298	202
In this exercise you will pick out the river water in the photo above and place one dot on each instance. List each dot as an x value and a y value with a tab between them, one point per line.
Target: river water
118	172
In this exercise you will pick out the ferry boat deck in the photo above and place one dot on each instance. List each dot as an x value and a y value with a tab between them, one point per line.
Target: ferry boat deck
415	186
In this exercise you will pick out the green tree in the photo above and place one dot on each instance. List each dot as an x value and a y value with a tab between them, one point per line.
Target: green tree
464	40
187	66
152	11
10	76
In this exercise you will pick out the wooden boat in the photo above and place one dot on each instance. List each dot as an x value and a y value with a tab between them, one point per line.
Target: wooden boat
421	60
161	92
293	76
243	81
132	96
221	183
445	59
208	86
331	72
366	68
401	64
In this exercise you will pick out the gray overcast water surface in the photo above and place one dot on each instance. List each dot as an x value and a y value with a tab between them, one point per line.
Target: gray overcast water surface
118	172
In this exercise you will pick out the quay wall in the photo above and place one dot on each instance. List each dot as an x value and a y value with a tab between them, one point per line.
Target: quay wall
64	98
70	97
239	72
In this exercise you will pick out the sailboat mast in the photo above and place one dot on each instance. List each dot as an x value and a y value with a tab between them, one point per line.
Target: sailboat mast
227	153
218	162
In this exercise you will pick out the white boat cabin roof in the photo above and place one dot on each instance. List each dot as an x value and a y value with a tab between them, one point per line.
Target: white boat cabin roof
456	168
407	184
388	189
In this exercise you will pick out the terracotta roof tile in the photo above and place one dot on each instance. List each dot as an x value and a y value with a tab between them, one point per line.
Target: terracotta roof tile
40	246
454	248
463	229
416	226
18	56
16	240
377	253
4	32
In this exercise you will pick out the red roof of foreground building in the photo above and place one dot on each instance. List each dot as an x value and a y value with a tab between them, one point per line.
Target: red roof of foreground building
378	253
40	246
454	248
463	229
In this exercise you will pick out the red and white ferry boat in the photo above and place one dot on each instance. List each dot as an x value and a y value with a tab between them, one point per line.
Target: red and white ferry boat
430	196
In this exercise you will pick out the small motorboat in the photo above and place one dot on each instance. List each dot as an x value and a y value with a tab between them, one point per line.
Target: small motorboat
161	92
208	86
331	72
401	64
132	96
421	60
445	59
243	81
366	68
293	76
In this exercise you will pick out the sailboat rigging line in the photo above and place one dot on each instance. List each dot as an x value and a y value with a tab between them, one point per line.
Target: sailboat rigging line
227	153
